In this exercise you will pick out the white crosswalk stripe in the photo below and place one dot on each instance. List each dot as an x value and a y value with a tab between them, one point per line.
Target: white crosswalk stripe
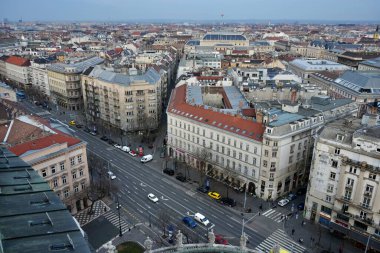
114	219
280	238
273	215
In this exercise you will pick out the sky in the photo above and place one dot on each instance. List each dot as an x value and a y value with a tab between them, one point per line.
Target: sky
191	10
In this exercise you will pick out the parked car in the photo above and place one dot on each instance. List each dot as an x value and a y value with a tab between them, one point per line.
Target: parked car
152	197
146	158
228	201
220	240
189	222
79	125
104	138
93	133
214	195
301	191
87	130
292	196
132	153
180	177
283	202
168	171
117	146
125	149
110	141
202	189
201	219
72	123
111	175
301	206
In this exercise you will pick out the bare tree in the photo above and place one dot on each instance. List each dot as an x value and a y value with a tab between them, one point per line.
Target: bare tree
184	230
163	219
203	156
230	174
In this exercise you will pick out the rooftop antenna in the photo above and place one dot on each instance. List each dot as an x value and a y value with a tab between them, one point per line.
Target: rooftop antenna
222	15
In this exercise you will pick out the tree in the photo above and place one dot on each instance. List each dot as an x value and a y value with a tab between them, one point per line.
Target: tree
184	230
230	173
203	156
163	219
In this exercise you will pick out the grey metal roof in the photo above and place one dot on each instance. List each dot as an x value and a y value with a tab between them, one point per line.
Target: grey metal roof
151	76
373	62
77	67
194	95
32	216
317	65
360	81
235	97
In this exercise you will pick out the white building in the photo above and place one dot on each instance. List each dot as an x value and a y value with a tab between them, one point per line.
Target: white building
344	180
17	70
39	76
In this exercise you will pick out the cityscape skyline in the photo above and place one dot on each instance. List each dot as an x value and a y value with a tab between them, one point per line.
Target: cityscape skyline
255	11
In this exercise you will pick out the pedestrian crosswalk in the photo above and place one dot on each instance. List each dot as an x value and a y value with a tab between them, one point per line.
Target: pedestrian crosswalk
114	219
281	239
274	215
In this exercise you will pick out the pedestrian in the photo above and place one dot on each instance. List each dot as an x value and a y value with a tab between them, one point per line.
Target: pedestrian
259	213
296	216
105	209
293	231
303	223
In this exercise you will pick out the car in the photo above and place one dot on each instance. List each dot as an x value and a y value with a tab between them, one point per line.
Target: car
87	130
110	141
93	133
152	197
72	123
37	103
292	196
79	125
301	206
301	191
189	222
111	175
117	146
283	202
214	195
132	153
125	148
201	219
220	240
146	158
180	177
228	201
168	171
104	138
202	189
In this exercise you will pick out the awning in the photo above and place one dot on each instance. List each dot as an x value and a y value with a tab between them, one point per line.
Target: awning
339	228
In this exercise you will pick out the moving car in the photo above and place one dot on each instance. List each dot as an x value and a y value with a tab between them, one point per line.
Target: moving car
111	175
104	138
228	201
283	202
202	189
146	158
201	219
214	195
180	177
79	125
168	171
72	123
292	196
301	206
189	222
220	240
132	153
152	197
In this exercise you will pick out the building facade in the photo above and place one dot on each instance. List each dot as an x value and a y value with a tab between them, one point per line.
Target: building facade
17	71
344	180
39	77
65	85
129	103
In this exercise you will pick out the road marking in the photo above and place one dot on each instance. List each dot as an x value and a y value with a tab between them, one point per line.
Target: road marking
228	224
269	211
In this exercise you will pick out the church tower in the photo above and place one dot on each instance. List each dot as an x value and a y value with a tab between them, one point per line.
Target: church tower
376	34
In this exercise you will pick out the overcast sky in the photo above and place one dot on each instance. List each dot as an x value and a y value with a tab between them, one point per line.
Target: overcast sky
119	10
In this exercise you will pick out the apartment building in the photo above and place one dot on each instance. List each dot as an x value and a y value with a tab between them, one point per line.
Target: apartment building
17	71
39	76
60	159
65	85
127	102
232	38
343	192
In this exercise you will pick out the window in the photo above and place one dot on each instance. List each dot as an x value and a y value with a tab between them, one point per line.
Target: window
254	161
372	176
266	153
81	172
55	182
72	161
350	182
274	154
273	165
271	175
83	185
43	172
267	142
74	174
334	164
62	165
246	158
240	156
247	148
330	188
347	195
332	175
337	151
368	189
64	180
79	158
328	198
292	149
290	159
366	202
352	170
265	163
275	144
66	193
52	168
76	188
299	145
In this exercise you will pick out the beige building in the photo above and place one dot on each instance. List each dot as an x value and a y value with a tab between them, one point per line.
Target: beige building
17	71
59	158
64	82
344	188
127	102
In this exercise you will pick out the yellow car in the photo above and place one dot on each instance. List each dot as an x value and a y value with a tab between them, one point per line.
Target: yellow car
214	195
72	123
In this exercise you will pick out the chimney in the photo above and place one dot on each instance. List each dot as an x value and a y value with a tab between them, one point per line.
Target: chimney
293	96
259	116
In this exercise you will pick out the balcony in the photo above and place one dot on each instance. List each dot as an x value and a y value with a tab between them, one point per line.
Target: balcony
272	169
368	193
366	206
348	186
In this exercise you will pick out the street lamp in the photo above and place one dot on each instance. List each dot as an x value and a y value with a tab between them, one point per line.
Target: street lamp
245	201
118	210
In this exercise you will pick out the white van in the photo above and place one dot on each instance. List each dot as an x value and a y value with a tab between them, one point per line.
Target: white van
125	149
201	219
146	158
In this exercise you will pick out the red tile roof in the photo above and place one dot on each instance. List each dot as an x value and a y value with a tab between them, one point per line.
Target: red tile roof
247	128
202	78
16	60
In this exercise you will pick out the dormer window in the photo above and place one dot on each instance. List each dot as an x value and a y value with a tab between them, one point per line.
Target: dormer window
269	130
339	137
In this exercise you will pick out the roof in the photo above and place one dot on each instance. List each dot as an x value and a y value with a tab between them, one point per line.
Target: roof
373	62
317	65
235	124
19	61
32	217
360	81
77	67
